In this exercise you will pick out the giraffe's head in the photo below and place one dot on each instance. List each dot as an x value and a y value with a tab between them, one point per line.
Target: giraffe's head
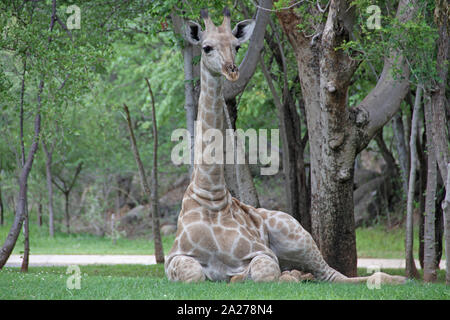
219	43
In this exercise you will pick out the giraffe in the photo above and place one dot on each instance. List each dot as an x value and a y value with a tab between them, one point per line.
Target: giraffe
218	237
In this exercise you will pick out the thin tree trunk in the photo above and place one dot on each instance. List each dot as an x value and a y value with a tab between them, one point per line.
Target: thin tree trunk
2	213
429	268
66	211
20	213
141	170
48	172
66	188
26	242
189	106
402	150
189	94
423	171
159	251
411	270
439	101
446	209
39	211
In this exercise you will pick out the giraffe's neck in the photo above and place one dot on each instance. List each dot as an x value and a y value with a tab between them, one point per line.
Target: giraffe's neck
208	182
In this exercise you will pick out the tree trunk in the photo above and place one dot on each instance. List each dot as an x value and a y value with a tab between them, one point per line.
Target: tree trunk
26	242
39	211
158	247
66	211
159	252
411	271
439	224
402	150
338	133
2	212
190	104
429	263
423	171
446	209
21	208
440	109
48	172
294	164
438	97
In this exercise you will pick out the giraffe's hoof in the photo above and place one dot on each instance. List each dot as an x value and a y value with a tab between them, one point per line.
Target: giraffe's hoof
287	277
238	278
301	276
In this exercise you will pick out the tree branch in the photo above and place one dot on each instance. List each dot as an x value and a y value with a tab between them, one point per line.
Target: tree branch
380	105
249	63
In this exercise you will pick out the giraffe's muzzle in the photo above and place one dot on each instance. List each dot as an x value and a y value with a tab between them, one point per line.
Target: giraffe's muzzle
230	71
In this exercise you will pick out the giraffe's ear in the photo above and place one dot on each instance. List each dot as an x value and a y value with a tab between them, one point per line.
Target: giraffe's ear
193	32
243	30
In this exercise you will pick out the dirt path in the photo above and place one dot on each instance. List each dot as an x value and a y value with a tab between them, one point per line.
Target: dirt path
66	260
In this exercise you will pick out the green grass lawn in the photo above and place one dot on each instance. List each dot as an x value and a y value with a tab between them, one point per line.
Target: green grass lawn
149	282
378	242
373	242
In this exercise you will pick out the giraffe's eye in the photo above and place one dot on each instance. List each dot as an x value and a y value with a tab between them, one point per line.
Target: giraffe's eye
237	48
207	49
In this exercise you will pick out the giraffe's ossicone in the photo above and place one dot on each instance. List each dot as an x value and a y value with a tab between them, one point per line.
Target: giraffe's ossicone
218	237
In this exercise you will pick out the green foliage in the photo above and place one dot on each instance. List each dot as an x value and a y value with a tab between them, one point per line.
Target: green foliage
415	39
310	18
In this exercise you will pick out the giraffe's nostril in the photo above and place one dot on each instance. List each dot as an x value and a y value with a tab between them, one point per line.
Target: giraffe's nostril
230	71
231	67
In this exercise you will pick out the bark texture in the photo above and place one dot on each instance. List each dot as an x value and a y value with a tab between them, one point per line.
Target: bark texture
440	113
2	212
446	209
48	173
411	271
429	265
402	150
338	133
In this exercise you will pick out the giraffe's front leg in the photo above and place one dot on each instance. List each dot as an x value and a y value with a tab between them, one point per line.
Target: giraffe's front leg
263	268
185	269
